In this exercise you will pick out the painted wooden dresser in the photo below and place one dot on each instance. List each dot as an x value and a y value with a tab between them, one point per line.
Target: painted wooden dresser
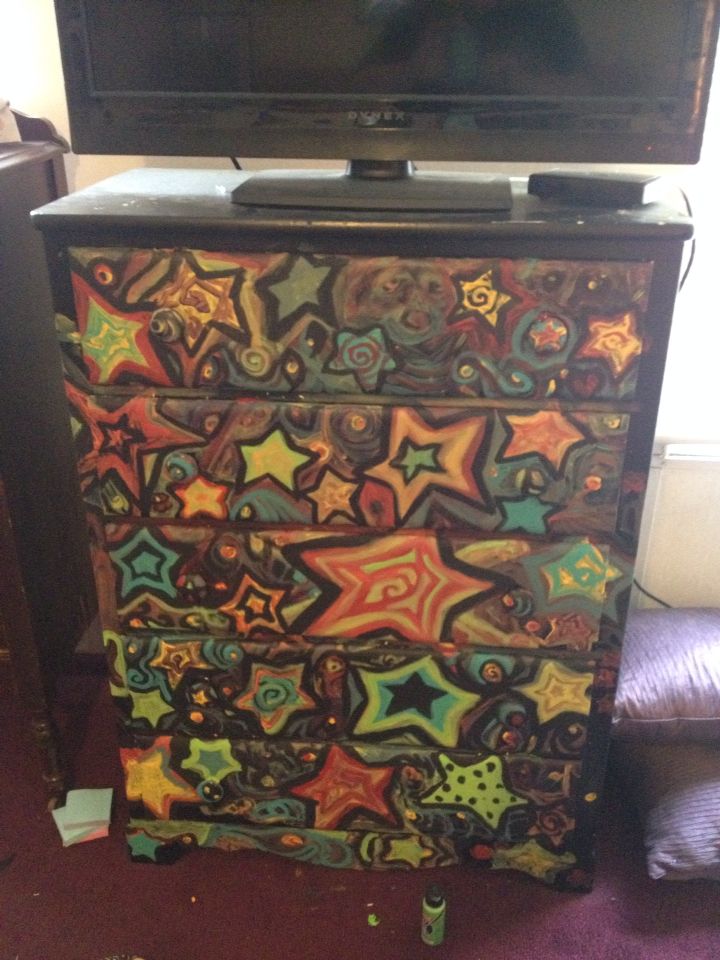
364	499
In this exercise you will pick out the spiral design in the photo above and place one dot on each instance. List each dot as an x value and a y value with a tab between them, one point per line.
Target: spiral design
256	361
403	583
166	325
181	467
357	433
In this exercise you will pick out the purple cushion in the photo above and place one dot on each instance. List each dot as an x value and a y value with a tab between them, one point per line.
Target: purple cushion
669	686
677	788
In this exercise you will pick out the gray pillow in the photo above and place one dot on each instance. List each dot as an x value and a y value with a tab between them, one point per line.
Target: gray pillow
677	789
669	685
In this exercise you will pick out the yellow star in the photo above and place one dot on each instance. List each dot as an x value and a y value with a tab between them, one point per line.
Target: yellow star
481	296
149	706
332	496
531	858
408	850
556	690
148	780
272	457
449	454
614	340
547	433
202	496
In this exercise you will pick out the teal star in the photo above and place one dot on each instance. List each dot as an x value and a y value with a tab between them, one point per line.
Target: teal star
144	562
142	845
213	760
527	515
582	571
416	695
299	288
364	355
412	458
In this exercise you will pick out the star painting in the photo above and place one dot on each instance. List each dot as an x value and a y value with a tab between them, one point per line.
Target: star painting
557	690
415	695
478	787
422	456
255	606
547	433
273	694
345	785
614	340
396	583
273	457
149	779
123	438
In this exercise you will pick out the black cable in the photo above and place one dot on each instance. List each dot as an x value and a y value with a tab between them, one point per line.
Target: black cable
652	596
691	259
236	163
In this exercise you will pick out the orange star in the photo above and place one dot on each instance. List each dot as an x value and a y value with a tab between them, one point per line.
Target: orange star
546	433
344	784
199	301
176	658
449	452
398	582
202	496
332	496
255	606
614	340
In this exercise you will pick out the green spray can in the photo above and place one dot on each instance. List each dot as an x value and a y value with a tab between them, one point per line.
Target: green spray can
433	916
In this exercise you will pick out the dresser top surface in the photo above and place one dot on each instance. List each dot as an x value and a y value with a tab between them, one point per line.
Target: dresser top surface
201	199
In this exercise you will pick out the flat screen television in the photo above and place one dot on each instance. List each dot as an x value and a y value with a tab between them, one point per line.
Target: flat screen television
386	82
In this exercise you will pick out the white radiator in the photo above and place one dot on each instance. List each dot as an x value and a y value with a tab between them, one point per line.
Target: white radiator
679	554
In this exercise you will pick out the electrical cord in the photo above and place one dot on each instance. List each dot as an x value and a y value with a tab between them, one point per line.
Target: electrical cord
651	596
236	163
691	259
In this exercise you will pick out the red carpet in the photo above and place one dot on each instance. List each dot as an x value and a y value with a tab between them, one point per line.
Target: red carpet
89	901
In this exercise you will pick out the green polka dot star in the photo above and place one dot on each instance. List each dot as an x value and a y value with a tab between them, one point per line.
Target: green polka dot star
478	787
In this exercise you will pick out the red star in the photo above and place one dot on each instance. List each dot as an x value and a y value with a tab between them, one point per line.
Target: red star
398	582
122	438
343	785
546	433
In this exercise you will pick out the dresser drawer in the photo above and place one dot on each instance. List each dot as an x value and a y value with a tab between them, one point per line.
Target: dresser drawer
531	471
471	798
415	586
291	323
292	688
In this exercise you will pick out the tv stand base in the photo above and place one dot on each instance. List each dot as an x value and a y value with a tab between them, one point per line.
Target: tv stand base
331	190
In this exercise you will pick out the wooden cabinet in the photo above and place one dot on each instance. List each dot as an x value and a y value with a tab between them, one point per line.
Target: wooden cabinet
364	499
46	595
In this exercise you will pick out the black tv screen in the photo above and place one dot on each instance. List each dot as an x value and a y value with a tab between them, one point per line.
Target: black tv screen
511	80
